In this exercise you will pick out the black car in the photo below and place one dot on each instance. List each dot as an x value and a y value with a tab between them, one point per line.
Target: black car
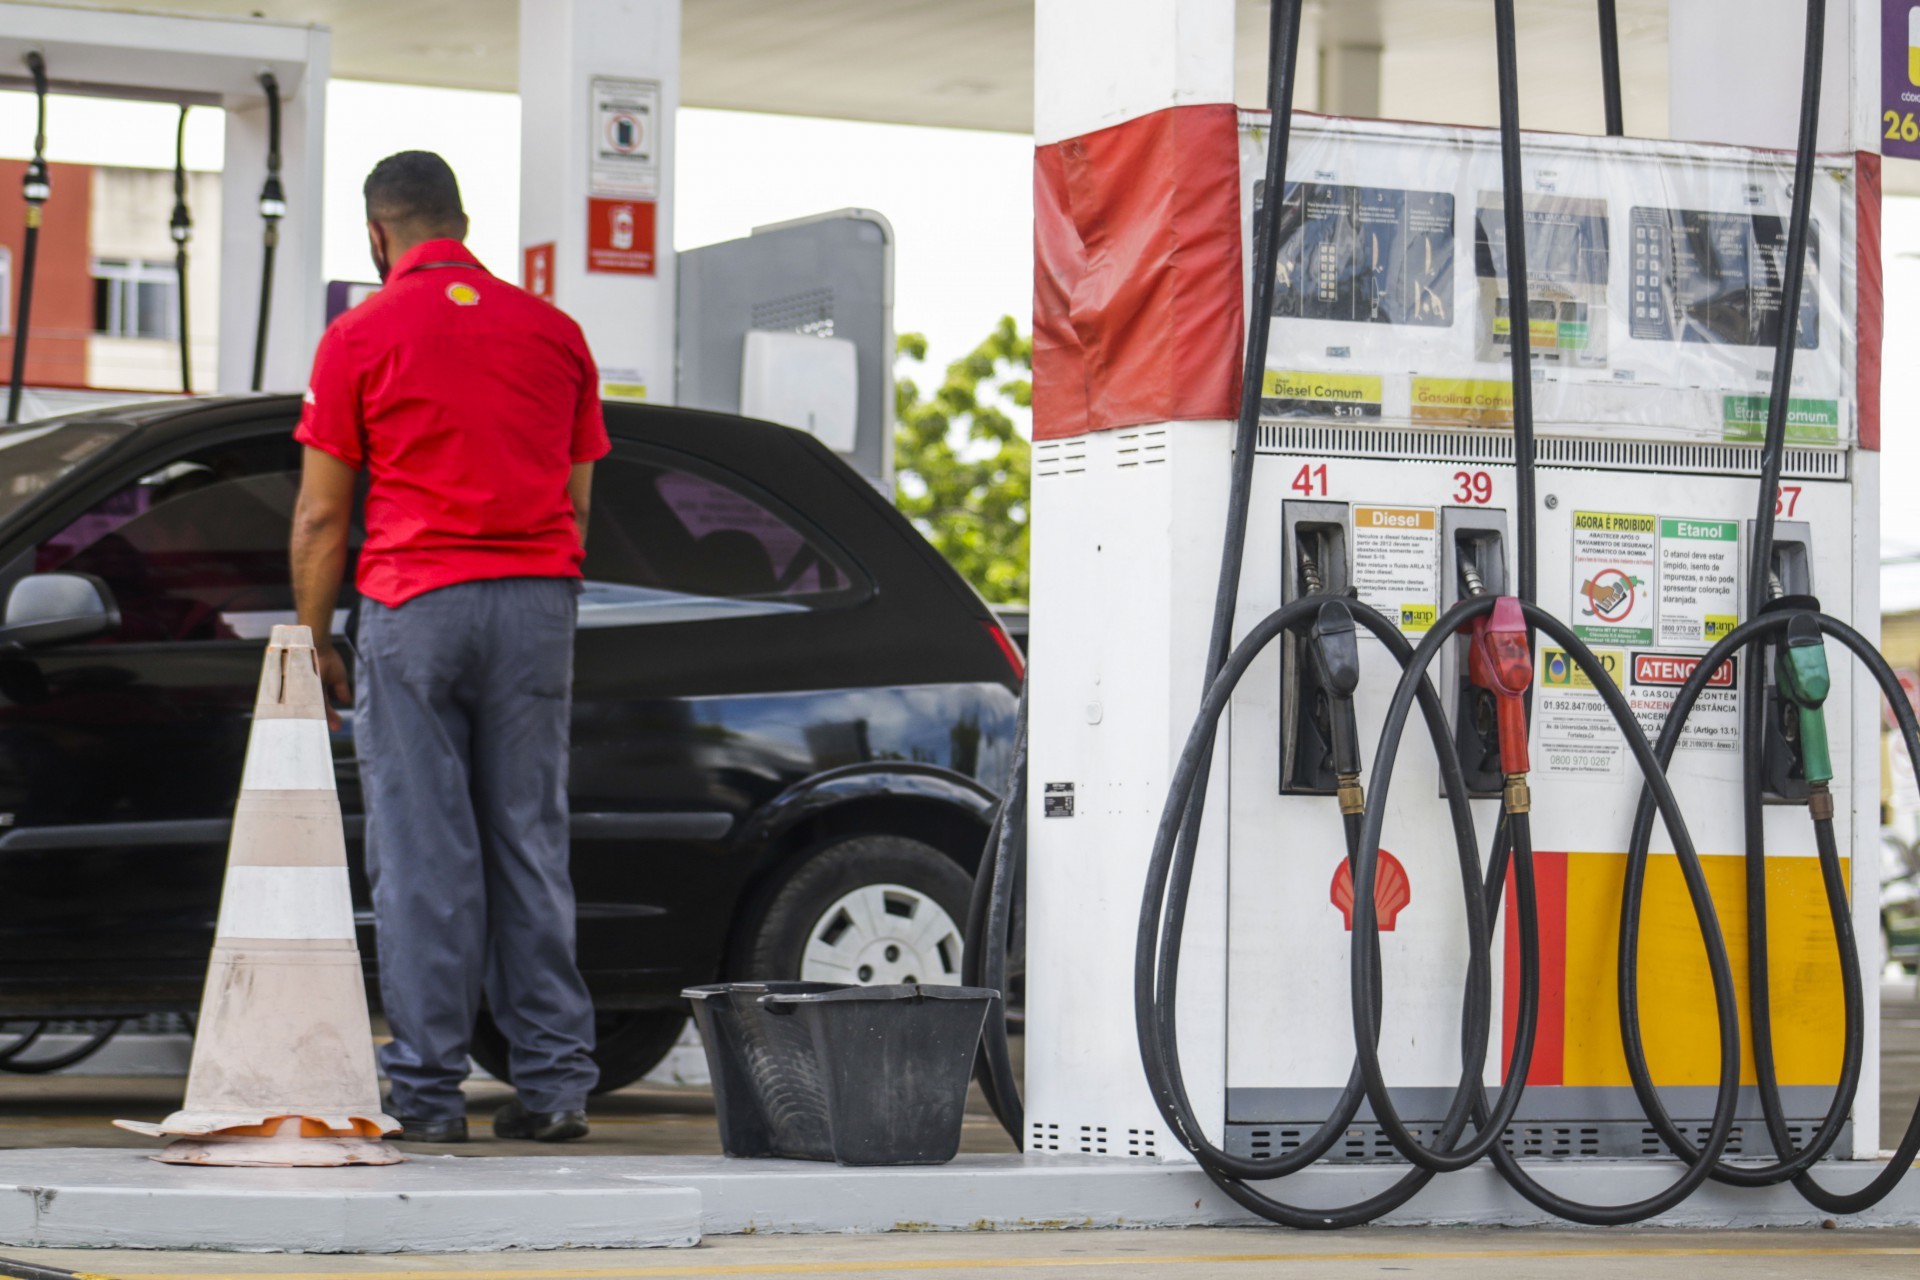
790	715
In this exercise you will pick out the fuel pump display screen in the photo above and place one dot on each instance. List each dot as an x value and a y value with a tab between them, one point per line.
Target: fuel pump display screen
1716	277
1375	255
1567	266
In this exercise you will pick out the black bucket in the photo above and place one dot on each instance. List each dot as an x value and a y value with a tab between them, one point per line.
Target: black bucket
829	1071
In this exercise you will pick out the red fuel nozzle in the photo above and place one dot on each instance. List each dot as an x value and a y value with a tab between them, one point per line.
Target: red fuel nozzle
1500	662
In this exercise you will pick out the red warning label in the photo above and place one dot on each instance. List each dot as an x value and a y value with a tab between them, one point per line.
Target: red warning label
1675	669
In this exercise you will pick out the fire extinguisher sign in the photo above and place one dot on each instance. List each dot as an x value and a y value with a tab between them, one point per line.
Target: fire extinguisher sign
1613	576
620	236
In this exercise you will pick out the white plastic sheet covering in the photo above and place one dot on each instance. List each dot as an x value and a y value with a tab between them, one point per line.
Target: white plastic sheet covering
1654	275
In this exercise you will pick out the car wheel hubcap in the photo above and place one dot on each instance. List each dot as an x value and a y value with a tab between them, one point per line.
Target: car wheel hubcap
880	935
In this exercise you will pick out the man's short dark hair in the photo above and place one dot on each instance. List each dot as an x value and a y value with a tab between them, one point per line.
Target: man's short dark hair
416	195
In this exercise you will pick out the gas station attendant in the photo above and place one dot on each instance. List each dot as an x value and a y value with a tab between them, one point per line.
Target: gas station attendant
473	409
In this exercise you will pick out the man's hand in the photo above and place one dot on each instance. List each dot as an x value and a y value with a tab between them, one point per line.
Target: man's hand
321	518
333	678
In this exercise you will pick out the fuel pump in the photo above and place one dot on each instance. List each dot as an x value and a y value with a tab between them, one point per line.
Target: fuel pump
36	187
1536	713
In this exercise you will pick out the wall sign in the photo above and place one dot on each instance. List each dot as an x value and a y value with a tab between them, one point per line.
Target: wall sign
1900	78
536	270
624	138
620	236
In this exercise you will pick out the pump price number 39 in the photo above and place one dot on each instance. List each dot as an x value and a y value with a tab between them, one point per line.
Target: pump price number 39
1472	488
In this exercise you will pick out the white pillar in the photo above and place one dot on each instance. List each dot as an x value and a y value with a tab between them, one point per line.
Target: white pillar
599	87
1734	72
1124	561
1101	62
297	313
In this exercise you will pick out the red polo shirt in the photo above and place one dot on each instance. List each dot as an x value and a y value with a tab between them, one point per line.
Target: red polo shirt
467	401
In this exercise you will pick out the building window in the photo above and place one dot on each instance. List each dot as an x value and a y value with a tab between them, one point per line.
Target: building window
135	298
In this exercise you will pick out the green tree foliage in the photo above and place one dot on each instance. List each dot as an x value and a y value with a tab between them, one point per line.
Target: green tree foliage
962	469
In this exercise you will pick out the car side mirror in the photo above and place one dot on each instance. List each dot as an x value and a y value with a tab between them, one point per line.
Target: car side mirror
53	608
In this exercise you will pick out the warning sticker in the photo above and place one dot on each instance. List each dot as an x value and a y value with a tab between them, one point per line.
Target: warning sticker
1613	568
1699	580
1396	564
1319	395
623	156
1578	736
1653	683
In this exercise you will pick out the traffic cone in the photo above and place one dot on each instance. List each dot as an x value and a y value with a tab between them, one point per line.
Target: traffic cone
282	1070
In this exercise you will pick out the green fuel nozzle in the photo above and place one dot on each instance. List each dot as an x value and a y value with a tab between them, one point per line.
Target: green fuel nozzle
1800	667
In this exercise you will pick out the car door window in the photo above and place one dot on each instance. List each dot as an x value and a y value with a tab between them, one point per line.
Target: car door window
193	550
671	542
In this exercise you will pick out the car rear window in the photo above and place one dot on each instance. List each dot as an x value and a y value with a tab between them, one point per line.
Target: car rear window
688	532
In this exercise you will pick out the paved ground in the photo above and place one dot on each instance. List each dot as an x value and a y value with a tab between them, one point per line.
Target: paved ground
48	1111
1190	1255
657	1120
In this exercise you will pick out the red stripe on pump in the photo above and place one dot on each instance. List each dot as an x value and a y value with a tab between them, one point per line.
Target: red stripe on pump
1870	294
1550	1043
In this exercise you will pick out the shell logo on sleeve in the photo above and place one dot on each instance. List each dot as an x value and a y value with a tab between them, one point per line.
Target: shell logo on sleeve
464	294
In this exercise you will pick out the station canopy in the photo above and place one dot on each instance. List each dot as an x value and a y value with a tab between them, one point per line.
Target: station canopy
969	63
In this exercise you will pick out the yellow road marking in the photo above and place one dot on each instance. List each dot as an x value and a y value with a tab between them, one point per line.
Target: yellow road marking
1007	1264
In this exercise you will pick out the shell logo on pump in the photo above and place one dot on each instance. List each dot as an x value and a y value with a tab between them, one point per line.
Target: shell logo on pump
464	295
1391	891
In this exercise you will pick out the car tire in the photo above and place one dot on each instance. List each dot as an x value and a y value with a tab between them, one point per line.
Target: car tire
870	910
627	1044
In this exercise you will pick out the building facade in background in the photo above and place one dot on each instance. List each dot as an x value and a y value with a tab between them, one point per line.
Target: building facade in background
106	296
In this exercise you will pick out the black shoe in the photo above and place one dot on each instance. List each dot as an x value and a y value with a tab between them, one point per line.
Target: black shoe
414	1129
515	1121
437	1132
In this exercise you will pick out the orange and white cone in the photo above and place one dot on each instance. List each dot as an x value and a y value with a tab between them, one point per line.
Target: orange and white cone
283	1069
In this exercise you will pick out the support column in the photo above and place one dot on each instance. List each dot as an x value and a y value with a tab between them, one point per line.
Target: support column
599	88
297	313
1734	72
1137	338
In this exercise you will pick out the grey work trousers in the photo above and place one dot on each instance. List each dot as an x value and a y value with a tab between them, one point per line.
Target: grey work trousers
462	701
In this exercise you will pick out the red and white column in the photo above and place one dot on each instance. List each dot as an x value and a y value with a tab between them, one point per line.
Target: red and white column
1138	332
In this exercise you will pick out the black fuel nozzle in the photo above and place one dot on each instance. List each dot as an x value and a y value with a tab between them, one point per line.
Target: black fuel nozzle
1333	644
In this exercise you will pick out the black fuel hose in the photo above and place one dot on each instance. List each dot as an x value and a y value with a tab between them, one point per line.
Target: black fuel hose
1728	1095
1513	216
1162	923
180	227
1790	1163
35	186
983	961
1610	68
273	207
1514	825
